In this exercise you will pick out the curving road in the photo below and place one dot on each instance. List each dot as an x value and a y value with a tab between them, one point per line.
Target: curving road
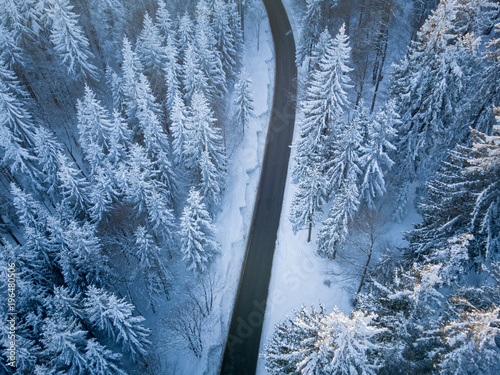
242	347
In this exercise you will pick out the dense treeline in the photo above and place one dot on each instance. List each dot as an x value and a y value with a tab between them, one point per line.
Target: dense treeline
434	306
107	126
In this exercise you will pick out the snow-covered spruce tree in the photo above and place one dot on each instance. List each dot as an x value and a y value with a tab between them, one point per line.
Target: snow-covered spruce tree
245	109
94	127
69	39
64	341
435	88
208	56
335	228
314	342
322	106
172	74
345	154
180	129
375	159
14	115
193	77
308	201
224	37
184	36
79	253
204	137
151	265
73	186
151	52
313	23
114	317
464	198
120	139
163	20
47	149
131	68
197	234
101	360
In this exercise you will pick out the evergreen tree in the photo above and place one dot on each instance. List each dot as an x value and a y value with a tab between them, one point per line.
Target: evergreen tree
463	198
245	109
151	265
47	149
101	360
94	127
72	185
172	72
335	229
224	37
185	36
69	40
131	68
151	53
194	78
197	234
204	137
308	201
64	341
180	129
316	342
163	20
375	158
114	316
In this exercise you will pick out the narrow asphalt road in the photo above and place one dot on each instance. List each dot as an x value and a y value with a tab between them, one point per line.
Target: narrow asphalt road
242	347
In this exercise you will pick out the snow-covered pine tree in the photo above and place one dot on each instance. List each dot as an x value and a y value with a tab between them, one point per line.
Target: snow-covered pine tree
197	234
115	317
172	73
224	37
163	20
450	209
151	52
204	137
245	109
435	88
47	149
120	139
73	186
209	59
335	228
314	342
101	360
344	161
152	266
79	253
313	23
323	106
193	77
131	68
15	116
180	129
185	36
375	159
69	39
308	200
94	127
64	341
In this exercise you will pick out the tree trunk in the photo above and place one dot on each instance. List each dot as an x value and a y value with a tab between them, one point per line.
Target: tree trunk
310	230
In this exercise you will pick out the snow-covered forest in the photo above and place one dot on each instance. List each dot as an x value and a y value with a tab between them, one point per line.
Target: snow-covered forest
374	139
120	126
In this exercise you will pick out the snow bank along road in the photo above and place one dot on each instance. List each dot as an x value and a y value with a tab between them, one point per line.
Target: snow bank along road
242	347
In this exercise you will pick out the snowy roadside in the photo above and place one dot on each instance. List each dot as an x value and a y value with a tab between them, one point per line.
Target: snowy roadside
244	168
300	277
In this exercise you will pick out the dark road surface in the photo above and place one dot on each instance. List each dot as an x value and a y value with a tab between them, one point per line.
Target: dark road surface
242	347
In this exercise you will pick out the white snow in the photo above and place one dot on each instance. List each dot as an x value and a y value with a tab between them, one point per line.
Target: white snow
244	165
